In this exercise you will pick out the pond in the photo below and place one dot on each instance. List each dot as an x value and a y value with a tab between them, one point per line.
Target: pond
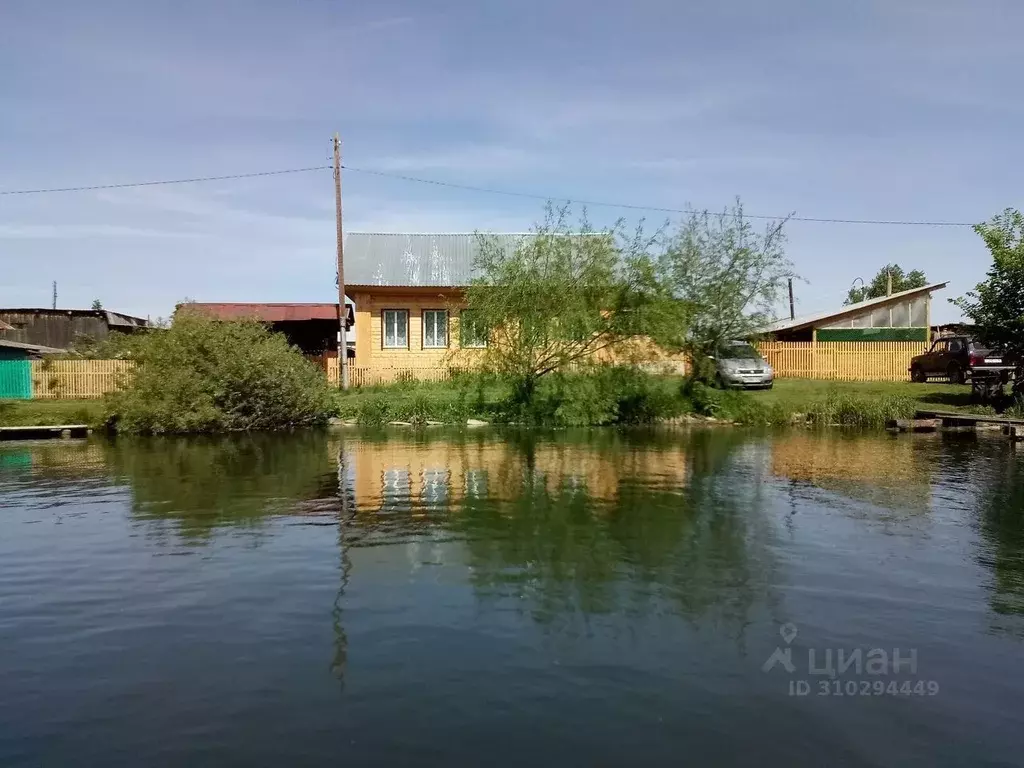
716	597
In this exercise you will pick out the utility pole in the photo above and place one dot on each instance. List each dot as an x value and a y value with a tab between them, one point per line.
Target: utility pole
342	308
792	309
54	294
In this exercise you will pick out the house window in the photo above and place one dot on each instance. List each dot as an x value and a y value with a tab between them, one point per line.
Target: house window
471	331
435	328
396	329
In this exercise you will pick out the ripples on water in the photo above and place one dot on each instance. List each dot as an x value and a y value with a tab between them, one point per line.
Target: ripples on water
494	598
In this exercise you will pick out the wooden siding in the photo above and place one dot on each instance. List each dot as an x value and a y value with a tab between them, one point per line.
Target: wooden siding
53	328
71	379
370	350
842	360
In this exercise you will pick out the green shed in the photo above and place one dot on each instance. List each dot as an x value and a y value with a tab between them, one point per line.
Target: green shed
16	368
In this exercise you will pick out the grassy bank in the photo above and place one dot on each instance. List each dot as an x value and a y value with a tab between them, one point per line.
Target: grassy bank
42	413
577	400
582	401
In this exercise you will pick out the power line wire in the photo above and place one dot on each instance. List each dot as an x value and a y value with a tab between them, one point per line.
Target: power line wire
162	182
655	208
485	190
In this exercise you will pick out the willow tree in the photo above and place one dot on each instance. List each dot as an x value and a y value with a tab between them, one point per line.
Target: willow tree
729	276
561	297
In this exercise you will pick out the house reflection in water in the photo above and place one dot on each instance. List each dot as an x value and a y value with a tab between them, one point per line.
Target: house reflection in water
427	474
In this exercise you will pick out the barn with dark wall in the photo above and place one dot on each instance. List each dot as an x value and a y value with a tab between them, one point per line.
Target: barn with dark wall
312	327
60	328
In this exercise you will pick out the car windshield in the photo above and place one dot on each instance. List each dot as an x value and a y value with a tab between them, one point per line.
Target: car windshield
739	352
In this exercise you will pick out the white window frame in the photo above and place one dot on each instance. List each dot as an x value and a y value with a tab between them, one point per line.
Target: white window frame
394	341
481	344
433	343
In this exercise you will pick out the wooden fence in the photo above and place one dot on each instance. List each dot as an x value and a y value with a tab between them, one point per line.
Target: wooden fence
365	376
69	379
842	360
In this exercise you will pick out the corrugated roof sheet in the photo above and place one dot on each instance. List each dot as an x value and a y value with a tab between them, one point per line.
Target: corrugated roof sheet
33	348
803	322
373	258
112	318
272	312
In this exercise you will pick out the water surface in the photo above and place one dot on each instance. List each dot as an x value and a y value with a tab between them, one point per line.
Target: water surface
502	598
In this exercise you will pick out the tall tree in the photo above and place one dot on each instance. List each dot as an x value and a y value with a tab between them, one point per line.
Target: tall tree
97	304
562	296
728	276
879	284
996	306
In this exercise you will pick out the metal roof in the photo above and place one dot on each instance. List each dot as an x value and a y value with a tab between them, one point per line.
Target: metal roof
112	318
33	348
442	259
811	320
272	312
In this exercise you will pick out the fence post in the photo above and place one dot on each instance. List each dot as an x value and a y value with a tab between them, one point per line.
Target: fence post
814	353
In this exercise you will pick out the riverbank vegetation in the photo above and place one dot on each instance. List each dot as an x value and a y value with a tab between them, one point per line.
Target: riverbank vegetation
657	398
627	396
201	375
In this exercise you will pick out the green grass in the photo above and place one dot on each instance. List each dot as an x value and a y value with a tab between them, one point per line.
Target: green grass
795	394
866	404
418	402
39	413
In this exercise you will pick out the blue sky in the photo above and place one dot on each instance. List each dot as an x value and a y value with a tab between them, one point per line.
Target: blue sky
897	109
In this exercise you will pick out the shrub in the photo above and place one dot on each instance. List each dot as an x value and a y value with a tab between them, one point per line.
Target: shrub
702	399
203	375
602	395
851	411
374	411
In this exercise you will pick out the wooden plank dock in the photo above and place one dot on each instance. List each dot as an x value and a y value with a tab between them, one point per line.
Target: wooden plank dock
956	419
50	431
952	421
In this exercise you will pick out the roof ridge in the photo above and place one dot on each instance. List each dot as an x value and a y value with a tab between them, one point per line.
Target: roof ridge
787	324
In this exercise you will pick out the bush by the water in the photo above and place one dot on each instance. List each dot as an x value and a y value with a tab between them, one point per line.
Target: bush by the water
202	375
603	395
617	395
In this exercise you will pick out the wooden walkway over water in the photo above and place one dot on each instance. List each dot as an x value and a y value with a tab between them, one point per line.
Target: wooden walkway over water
38	433
954	421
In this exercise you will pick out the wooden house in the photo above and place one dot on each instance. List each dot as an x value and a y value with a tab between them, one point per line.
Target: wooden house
409	291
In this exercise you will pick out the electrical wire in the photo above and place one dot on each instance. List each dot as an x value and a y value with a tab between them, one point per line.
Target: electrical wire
490	191
165	181
657	209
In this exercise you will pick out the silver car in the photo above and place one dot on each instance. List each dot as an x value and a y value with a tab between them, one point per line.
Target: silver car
738	364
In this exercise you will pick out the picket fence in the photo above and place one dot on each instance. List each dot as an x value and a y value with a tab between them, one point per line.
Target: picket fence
842	360
72	379
365	376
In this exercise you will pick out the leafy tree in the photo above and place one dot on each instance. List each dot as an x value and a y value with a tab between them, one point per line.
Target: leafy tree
204	375
727	277
562	296
97	304
879	283
996	306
